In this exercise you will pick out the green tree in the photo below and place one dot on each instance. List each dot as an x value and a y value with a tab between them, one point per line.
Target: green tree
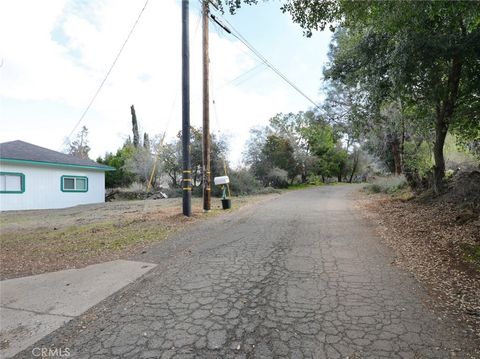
292	127
120	177
136	136
278	153
253	156
267	151
425	53
296	144
172	157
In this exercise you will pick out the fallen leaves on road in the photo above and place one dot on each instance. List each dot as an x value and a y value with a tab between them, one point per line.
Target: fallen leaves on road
438	245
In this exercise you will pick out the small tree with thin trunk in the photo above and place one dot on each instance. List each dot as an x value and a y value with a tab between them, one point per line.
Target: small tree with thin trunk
79	146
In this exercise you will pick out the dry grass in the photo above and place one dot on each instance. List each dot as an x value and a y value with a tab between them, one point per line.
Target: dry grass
39	241
438	244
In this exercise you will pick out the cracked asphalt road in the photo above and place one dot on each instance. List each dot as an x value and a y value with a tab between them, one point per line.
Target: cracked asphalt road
299	276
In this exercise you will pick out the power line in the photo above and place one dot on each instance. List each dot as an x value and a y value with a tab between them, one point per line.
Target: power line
170	117
249	71
221	30
177	92
222	34
109	71
234	32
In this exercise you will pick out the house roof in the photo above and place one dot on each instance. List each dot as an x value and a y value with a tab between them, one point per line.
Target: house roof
24	152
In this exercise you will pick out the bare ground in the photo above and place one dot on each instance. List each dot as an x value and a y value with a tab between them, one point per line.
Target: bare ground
39	241
438	244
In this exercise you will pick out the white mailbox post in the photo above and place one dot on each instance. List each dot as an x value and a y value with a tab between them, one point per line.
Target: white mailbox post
223	181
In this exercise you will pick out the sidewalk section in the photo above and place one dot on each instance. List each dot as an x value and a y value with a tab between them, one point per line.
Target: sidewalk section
32	307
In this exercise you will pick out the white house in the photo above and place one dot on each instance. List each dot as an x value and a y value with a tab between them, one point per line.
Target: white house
33	177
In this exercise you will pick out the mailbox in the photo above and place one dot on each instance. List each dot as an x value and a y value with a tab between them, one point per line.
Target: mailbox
222	180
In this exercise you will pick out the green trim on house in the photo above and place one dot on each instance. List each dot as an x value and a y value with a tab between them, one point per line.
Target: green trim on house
22	182
73	190
55	164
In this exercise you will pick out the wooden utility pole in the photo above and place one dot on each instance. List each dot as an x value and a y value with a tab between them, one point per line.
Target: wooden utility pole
187	172
206	114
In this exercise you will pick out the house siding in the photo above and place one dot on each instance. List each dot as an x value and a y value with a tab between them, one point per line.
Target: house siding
43	188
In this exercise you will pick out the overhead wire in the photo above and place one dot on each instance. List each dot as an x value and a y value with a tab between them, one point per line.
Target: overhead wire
264	61
174	103
250	71
109	70
216	117
220	32
234	32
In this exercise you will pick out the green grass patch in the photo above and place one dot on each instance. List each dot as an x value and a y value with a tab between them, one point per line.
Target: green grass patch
301	186
472	254
89	239
60	239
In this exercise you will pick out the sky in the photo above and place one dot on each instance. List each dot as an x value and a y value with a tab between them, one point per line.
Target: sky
54	54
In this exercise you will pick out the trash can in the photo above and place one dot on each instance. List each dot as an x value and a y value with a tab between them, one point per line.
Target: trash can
226	203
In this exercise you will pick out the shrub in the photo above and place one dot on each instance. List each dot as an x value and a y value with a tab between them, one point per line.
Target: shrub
389	185
314	180
278	178
374	188
243	182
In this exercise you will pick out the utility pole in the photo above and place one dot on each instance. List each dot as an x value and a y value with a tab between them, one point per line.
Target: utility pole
187	172
206	113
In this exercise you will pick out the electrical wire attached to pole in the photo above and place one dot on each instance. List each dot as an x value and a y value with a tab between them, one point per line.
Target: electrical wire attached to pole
217	122
167	125
109	71
230	29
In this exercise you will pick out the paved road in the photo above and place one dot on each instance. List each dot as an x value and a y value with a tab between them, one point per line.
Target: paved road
300	276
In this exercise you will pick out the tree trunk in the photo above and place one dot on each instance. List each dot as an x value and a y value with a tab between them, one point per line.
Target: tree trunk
355	165
173	177
444	116
397	158
304	174
441	129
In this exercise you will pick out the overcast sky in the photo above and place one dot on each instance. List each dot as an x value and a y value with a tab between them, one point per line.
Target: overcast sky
55	53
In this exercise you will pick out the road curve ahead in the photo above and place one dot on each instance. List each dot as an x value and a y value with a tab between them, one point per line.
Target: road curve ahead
300	276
